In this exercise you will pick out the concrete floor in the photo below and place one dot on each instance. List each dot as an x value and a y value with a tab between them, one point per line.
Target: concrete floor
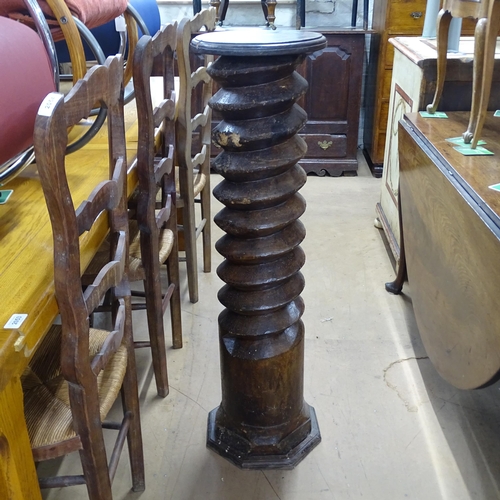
391	427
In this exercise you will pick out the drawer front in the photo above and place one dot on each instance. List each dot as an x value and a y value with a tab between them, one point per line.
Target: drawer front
326	145
407	17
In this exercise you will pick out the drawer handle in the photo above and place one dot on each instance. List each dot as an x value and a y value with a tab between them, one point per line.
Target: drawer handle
416	15
324	144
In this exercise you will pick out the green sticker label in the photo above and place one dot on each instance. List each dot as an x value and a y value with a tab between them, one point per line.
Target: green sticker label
497	113
495	187
437	114
479	151
459	141
4	195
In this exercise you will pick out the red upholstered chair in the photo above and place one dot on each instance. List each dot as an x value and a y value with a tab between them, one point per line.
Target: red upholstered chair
25	79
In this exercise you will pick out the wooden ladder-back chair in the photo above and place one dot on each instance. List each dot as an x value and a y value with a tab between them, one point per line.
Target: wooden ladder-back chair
77	372
156	243
487	12
193	141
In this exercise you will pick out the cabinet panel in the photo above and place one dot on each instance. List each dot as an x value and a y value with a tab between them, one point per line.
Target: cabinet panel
332	103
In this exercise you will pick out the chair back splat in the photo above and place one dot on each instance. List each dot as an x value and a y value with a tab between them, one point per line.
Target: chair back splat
78	371
193	141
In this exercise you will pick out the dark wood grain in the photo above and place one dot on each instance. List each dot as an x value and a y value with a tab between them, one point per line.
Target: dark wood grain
263	420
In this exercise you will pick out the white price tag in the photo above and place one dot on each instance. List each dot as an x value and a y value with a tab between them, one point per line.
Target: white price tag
49	103
120	24
15	321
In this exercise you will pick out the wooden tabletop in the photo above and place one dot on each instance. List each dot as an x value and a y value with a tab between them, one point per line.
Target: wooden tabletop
26	249
473	173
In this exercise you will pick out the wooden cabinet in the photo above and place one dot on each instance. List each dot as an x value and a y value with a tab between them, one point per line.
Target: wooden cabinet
412	88
333	102
390	18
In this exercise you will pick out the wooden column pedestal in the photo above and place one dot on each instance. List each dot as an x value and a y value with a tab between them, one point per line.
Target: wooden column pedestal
263	420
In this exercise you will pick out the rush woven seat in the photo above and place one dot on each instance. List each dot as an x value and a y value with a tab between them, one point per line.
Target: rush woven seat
46	398
136	268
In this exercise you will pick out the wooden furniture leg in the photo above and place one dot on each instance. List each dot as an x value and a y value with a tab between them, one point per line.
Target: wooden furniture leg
269	12
222	11
396	286
442	29
492	27
18	479
477	78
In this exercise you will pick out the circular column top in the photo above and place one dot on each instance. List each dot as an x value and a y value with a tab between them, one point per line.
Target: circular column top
257	42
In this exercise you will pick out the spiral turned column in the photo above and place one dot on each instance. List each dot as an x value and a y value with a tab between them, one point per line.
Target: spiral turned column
263	420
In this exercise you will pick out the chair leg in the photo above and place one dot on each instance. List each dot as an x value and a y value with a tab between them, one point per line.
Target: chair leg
189	224
92	454
130	401
489	58
479	45
175	301
442	29
206	233
154	310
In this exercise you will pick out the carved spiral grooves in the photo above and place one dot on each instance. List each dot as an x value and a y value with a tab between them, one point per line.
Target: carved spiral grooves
260	330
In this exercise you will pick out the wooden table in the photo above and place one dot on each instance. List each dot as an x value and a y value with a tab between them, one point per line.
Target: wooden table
451	234
412	88
26	287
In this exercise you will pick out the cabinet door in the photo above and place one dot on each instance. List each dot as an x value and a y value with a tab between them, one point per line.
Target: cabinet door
332	101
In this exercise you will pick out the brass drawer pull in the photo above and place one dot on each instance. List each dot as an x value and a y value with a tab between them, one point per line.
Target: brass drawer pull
324	144
416	15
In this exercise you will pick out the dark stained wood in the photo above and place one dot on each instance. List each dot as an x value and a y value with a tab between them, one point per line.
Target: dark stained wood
263	420
102	84
156	174
451	222
332	103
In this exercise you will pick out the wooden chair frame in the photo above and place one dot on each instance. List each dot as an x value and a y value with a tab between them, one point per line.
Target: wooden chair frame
156	172
102	84
194	168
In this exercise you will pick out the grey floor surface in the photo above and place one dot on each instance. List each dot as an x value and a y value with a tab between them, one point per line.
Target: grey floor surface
391	427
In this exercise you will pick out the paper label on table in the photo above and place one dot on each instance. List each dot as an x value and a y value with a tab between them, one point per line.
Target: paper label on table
497	113
479	151
15	321
49	103
437	114
495	187
5	195
459	141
